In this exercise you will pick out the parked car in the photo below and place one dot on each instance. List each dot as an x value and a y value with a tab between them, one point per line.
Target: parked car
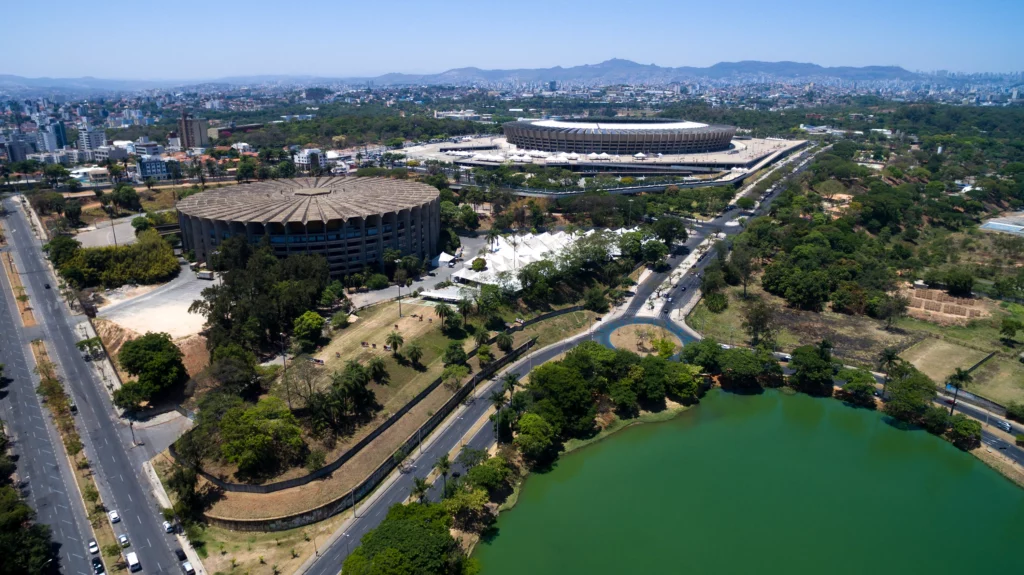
187	568
122	540
114	517
180	554
97	566
93	547
133	562
168	527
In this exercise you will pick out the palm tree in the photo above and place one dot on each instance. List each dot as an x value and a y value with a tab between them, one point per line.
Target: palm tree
492	236
443	311
414	352
497	399
419	489
959	380
465	306
395	340
888	360
378	371
504	341
444	467
509	382
481	336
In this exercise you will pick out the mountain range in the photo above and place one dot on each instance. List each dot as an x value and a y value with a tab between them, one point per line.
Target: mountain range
610	72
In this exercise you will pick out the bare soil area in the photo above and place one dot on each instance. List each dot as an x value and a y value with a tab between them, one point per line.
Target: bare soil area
638	338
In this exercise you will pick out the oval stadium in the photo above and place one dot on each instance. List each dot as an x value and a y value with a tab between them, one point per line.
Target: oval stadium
619	136
350	221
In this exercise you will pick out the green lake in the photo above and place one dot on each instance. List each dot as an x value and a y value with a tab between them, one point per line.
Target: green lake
763	484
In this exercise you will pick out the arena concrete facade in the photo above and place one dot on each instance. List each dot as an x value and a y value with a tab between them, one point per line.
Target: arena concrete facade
350	221
619	136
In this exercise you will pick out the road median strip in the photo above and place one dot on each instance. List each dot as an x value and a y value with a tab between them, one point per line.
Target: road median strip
57	401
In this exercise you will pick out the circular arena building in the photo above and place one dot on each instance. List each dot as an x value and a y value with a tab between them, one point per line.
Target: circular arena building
619	136
350	221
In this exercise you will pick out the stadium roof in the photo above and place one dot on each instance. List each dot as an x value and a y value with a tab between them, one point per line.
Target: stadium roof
672	125
308	199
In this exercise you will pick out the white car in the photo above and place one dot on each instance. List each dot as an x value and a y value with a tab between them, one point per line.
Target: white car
123	541
93	547
168	528
114	517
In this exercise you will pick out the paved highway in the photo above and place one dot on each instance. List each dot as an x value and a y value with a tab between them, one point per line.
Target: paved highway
107	438
43	469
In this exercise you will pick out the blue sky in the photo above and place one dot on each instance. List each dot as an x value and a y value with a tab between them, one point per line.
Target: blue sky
189	39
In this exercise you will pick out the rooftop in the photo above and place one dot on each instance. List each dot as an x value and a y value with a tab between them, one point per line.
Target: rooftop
674	125
308	199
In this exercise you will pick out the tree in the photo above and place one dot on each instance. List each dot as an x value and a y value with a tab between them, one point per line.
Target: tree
1008	328
813	368
964	432
378	369
740	369
504	341
759	321
536	437
910	393
453	375
73	211
742	261
481	336
444	312
888	359
492	475
261	438
454	354
412	538
420	489
860	386
654	252
959	282
893	307
414	352
155	362
465	306
959	379
308	329
669	230
935	420
443	466
395	340
484	354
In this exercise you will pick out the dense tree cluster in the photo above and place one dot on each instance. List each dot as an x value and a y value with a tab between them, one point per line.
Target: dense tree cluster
260	296
412	538
147	261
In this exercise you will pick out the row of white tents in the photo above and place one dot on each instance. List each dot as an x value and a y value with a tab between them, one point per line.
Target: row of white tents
512	253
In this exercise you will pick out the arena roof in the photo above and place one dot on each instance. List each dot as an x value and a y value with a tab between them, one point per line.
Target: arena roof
672	125
308	199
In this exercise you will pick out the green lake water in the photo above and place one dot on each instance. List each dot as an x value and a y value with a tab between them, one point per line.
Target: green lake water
763	484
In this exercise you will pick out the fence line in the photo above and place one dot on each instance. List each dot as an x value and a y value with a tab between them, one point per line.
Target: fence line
371	482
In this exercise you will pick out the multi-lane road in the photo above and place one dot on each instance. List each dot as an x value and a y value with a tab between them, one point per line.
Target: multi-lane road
107	439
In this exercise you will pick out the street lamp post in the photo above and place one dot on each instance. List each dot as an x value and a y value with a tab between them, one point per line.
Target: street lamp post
131	426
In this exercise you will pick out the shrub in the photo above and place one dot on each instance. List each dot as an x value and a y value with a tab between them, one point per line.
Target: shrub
316	459
377	281
1015	411
479	264
716	302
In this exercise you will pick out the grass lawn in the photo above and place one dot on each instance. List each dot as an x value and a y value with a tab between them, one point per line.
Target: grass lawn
1000	379
156	199
938	358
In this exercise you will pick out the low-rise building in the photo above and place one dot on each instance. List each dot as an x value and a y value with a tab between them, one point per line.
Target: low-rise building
310	157
154	167
104	153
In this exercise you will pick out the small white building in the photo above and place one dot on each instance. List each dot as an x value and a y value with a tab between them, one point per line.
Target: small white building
307	157
242	147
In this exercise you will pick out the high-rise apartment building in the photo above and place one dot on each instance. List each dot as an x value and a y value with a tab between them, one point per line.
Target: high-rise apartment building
90	138
192	131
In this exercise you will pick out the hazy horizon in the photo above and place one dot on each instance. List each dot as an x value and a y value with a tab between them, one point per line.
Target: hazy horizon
197	41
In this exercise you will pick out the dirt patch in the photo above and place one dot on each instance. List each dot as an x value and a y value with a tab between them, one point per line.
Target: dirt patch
1001	463
28	319
939	307
195	355
639	338
938	358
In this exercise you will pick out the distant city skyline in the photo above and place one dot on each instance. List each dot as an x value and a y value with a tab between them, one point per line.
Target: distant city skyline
192	40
